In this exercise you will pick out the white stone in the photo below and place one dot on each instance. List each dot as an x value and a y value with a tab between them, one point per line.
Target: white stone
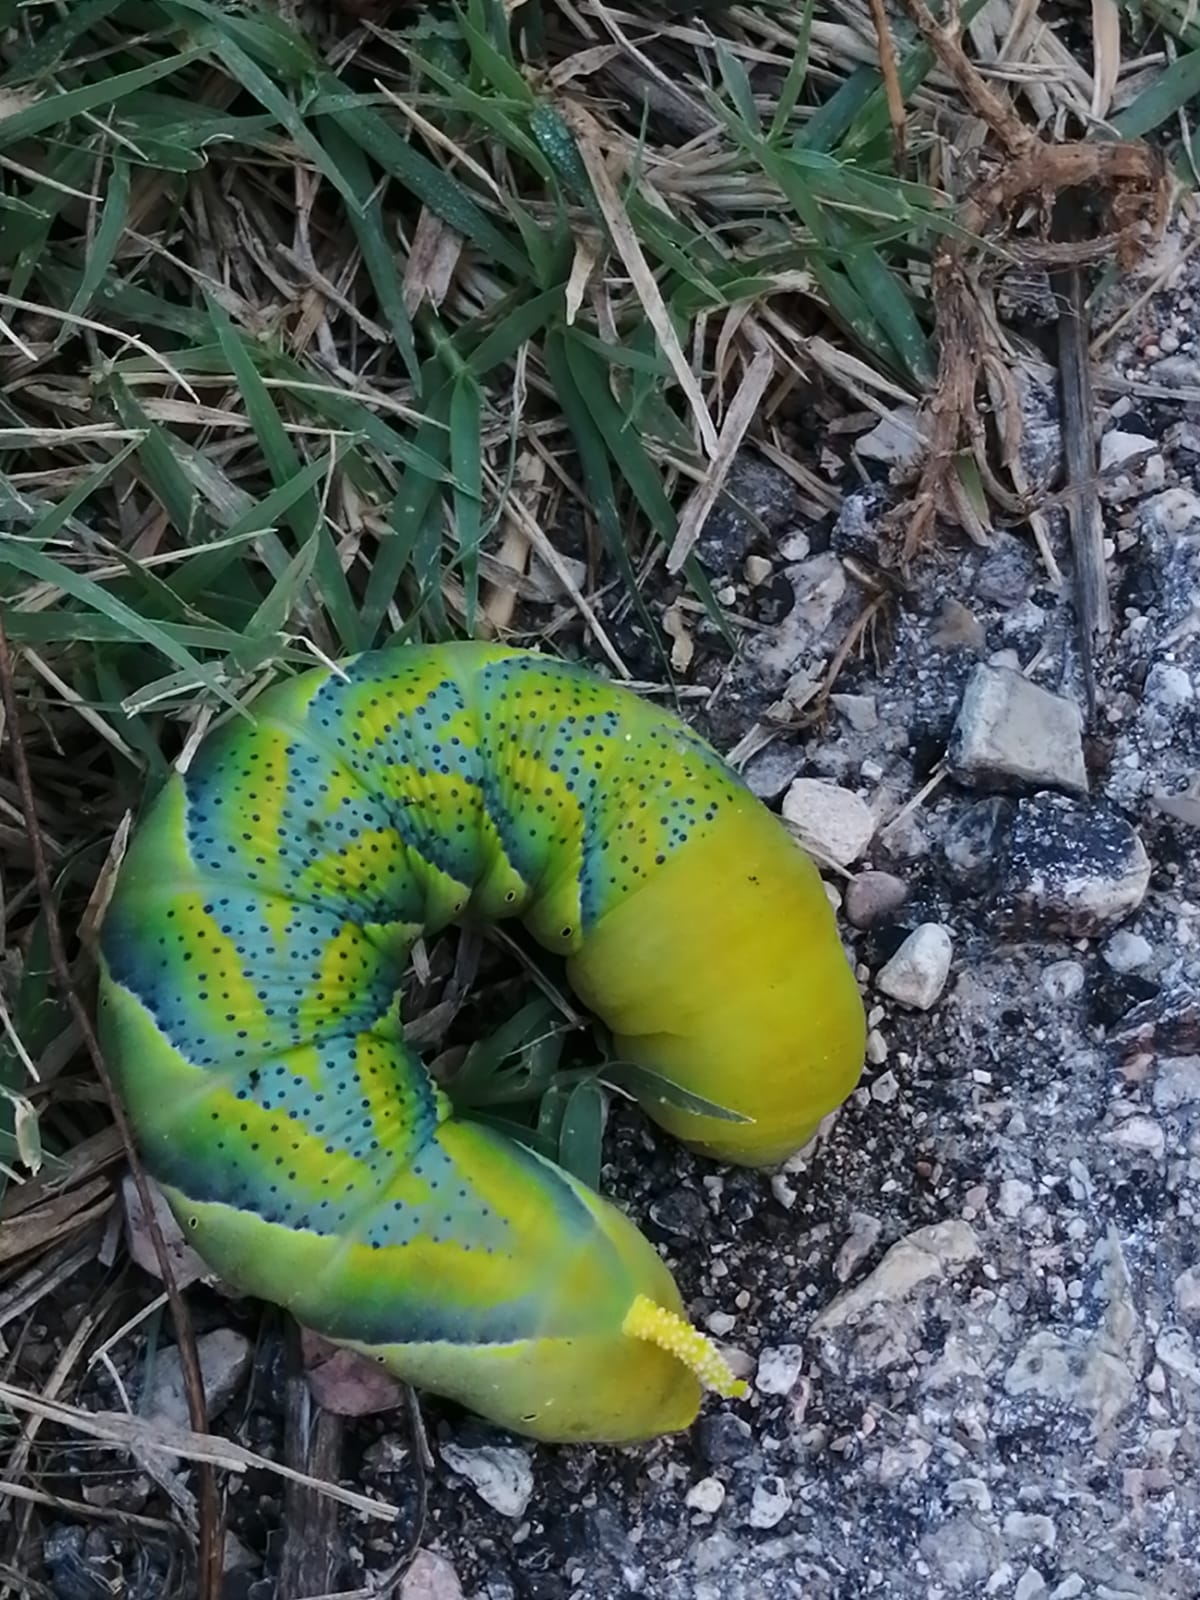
925	1255
1030	1585
708	1496
770	1504
1175	511
779	1368
1063	980
861	711
917	973
1030	1528
1077	1372
1070	1588
757	569
224	1357
1169	687
835	822
896	439
431	1577
1187	1293
969	1492
1116	448
885	1088
499	1474
1009	730
1140	1136
864	1236
1014	1196
1126	952
1176	1082
1175	1349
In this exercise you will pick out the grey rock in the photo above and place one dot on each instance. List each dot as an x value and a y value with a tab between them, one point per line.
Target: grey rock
962	1551
834	822
864	1236
1074	1371
779	1368
1063	980
917	973
1176	1082
501	1475
1007	573
224	1356
1011	733
770	1503
724	1438
1187	1294
769	772
1126	952
972	844
430	1577
872	896
1073	868
758	500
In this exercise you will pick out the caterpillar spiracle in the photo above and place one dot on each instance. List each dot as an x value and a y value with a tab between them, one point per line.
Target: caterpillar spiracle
255	945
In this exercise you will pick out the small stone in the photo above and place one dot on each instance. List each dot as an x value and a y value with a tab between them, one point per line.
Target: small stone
896	439
1187	1294
1011	732
1030	1585
770	1504
1076	1372
1175	511
969	1492
1176	1082
885	1088
917	973
757	569
1116	448
769	773
724	1439
779	1368
708	1496
861	711
236	1557
1126	952
836	822
430	1577
1063	980
864	1236
1013	1197
928	1254
1070	1588
1169	687
872	896
1028	1528
877	1049
1073	868
1139	1136
224	1357
1175	1349
500	1475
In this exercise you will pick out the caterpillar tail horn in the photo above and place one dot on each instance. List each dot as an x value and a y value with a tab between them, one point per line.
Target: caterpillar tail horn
670	1332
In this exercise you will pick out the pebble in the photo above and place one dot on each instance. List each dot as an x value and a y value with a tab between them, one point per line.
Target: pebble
1176	1082
430	1577
769	773
885	1088
917	973
1139	1136
969	1492
897	439
1175	511
863	1237
973	842
928	1254
708	1496
1126	952
1169	687
1012	732
1030	1585
224	1356
724	1439
1073	868
1028	1528
500	1475
1063	980
1072	1371
837	823
779	1368
770	1503
1013	1197
1116	448
861	711
757	569
872	896
1187	1294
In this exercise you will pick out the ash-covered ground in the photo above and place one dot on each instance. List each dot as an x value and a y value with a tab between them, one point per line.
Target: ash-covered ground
971	1315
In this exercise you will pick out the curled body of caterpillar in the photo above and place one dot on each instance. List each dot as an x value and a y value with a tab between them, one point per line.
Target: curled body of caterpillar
252	955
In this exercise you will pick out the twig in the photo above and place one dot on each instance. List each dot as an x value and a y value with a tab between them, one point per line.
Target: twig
891	81
209	1575
312	1443
1092	611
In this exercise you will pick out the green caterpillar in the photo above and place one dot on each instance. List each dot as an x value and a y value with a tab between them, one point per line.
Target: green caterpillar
251	958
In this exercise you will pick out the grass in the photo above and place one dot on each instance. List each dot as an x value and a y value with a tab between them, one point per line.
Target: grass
315	336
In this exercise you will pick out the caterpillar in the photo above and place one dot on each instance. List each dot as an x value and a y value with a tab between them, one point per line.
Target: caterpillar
251	958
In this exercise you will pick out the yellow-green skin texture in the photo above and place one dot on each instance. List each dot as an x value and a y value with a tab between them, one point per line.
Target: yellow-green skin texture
253	953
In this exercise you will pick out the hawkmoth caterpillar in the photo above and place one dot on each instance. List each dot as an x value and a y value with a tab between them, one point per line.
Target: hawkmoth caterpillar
255	944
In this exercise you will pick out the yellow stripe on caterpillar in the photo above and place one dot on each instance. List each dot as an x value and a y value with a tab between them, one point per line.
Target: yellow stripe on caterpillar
655	1324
